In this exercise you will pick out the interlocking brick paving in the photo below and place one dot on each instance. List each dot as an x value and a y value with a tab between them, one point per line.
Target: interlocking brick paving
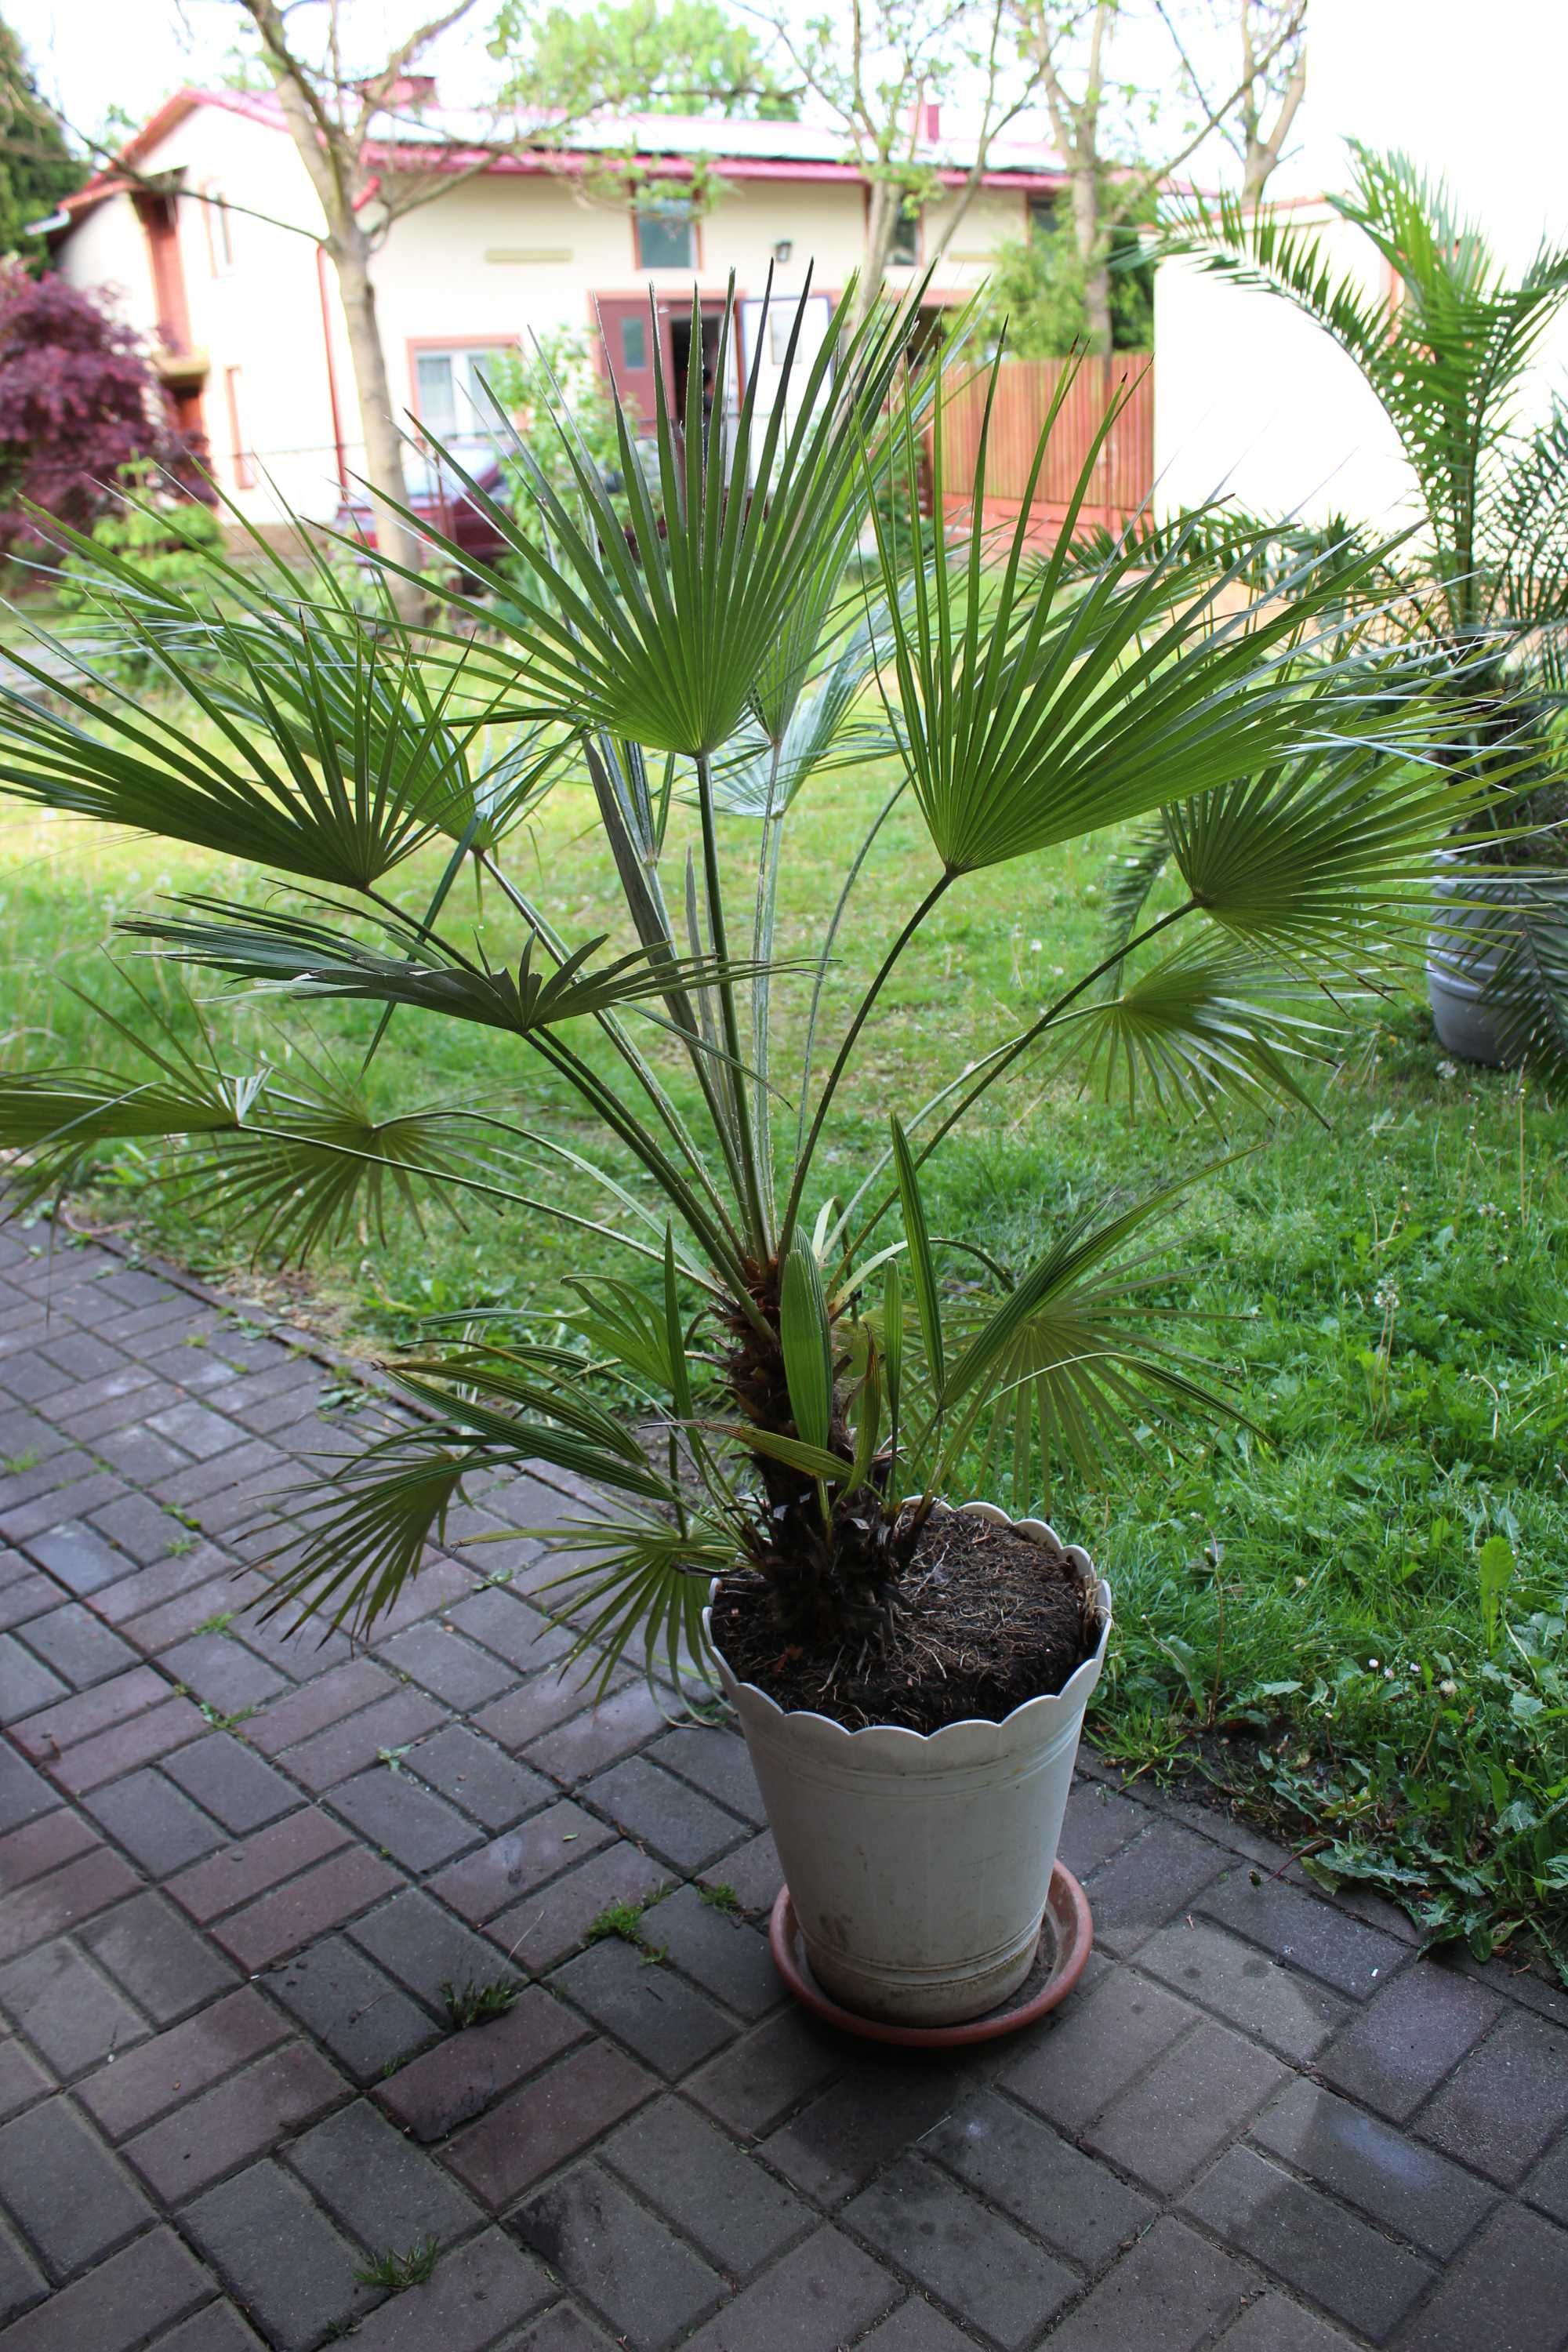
242	1877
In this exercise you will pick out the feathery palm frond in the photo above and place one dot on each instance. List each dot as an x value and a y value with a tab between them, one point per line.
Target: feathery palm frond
1527	993
1446	359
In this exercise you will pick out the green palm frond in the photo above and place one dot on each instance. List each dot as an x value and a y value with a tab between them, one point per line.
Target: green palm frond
644	1582
1447	358
1069	1351
1526	532
1527	993
1199	1028
662	628
534	1400
282	951
823	731
321	759
641	1336
1324	857
310	1166
348	1554
1255	553
1030	717
1134	875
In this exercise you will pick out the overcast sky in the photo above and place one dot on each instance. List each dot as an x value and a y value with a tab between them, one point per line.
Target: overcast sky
92	55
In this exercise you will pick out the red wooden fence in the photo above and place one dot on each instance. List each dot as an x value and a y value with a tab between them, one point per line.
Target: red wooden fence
1123	473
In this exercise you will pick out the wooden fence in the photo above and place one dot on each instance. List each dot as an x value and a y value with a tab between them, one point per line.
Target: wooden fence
1123	473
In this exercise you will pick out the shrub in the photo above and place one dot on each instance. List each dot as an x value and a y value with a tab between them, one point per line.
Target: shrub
78	403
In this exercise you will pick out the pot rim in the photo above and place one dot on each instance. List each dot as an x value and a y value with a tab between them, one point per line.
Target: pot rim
1068	1700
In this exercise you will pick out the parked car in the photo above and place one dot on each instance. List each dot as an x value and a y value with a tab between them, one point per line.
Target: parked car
438	498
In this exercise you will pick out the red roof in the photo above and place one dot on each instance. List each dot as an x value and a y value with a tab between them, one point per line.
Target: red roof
450	152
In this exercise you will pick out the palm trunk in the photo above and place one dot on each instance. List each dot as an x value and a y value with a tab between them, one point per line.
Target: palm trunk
378	425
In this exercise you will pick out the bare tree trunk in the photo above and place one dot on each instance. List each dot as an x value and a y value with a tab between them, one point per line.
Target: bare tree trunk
349	253
1089	238
881	220
1075	126
332	160
1263	146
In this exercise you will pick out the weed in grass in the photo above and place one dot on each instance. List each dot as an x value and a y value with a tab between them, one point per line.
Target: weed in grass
721	1898
625	1920
395	2271
622	1919
473	2003
221	1722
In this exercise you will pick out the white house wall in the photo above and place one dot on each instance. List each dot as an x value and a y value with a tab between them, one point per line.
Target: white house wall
511	255
1254	404
495	258
262	317
1249	395
108	250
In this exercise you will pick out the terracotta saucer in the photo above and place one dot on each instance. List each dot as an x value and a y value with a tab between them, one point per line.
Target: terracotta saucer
1067	1934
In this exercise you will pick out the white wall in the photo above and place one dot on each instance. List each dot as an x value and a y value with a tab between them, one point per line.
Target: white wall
511	255
1251	398
261	315
497	258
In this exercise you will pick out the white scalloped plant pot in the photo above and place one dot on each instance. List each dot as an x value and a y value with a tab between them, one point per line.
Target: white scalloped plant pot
918	1863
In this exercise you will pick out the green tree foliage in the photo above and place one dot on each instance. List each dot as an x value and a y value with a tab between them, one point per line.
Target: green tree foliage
1038	286
686	57
36	167
558	370
167	536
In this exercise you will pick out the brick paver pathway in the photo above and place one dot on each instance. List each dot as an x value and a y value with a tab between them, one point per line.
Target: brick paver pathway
238	1873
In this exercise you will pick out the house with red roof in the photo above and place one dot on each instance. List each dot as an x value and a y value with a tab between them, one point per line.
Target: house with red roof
207	233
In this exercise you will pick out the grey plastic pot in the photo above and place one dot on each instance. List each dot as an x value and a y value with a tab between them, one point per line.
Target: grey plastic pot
1463	953
918	1863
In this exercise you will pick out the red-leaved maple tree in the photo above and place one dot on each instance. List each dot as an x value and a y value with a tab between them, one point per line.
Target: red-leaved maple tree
78	401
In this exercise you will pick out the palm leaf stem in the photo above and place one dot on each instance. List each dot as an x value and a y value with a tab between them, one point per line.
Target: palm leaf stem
938	890
644	1147
724	988
826	957
769	848
500	1192
996	1066
614	1031
634	835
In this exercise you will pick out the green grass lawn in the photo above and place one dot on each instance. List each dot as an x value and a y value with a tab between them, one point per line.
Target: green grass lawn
1301	1599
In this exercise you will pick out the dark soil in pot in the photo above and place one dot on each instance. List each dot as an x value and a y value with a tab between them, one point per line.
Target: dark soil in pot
983	1619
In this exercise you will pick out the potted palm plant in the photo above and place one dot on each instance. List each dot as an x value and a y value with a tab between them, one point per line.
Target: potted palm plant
1447	346
778	1394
